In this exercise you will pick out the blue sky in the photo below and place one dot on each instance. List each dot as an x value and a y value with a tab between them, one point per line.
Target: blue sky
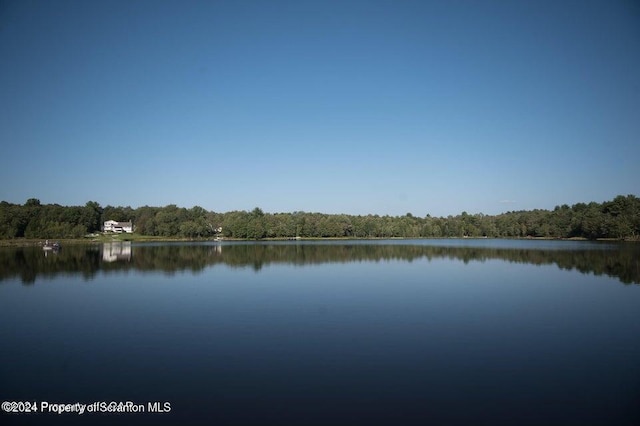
382	107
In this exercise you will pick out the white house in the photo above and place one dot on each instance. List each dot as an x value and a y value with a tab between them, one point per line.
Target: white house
118	227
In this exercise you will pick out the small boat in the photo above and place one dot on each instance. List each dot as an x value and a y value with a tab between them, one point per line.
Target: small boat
48	246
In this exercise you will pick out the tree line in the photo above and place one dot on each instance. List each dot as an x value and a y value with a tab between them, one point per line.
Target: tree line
618	218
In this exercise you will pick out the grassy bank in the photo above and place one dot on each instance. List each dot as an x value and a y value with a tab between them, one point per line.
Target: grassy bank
99	238
109	238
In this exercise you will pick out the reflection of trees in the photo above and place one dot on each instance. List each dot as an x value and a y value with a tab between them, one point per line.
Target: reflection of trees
29	263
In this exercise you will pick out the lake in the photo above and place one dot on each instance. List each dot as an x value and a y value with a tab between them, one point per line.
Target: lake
351	332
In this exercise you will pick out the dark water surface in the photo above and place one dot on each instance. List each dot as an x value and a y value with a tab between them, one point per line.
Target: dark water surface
388	332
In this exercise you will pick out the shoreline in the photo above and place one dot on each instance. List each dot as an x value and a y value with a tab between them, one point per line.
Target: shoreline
30	242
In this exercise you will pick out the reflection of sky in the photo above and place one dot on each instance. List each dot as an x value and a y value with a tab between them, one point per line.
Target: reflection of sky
410	334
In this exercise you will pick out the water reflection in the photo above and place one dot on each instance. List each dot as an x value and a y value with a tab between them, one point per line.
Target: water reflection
116	251
621	261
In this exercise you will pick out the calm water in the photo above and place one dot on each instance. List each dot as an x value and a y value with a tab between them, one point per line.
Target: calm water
397	332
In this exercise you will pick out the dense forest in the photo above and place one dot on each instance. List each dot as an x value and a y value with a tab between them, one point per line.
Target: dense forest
618	218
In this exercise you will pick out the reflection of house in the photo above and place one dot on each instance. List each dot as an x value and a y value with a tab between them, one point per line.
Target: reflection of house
118	227
116	251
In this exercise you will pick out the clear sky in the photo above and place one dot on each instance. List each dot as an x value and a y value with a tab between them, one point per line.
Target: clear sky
382	107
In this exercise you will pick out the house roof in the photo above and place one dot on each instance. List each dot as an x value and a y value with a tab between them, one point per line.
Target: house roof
114	223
